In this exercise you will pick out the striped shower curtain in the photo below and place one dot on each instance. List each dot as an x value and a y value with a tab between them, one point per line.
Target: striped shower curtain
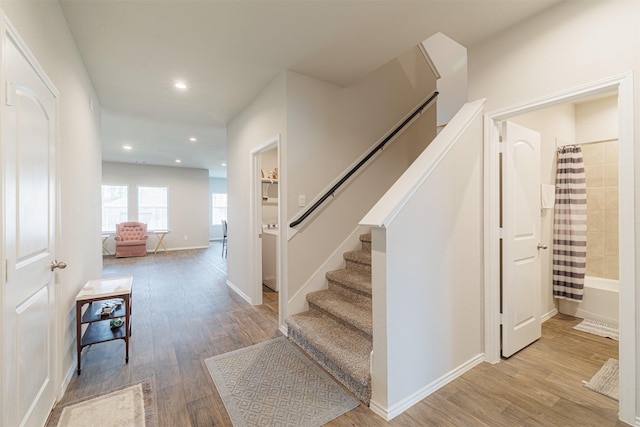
570	225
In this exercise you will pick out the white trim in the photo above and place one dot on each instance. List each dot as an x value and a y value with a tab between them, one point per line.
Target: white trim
8	30
318	281
623	83
284	330
11	31
549	315
389	413
386	209
238	291
255	221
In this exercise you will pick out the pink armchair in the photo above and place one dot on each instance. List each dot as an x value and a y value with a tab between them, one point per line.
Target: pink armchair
131	239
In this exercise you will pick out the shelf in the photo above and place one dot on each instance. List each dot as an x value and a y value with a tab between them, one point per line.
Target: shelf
269	181
91	298
101	331
91	316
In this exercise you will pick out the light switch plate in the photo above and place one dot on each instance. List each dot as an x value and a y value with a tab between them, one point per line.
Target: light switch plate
302	200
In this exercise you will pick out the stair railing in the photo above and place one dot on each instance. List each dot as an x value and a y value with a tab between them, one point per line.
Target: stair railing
395	132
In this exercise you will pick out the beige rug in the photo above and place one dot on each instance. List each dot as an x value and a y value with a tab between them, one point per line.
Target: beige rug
607	380
274	384
598	328
132	406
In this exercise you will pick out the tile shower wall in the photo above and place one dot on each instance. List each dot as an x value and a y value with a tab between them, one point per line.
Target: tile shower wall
601	170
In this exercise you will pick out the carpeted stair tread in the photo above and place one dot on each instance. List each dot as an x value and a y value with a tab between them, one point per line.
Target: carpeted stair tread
351	279
358	260
360	256
341	351
355	314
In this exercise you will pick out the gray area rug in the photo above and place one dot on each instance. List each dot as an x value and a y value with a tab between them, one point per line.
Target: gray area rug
606	381
274	384
132	406
598	328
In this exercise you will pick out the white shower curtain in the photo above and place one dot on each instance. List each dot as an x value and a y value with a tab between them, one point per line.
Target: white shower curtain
570	225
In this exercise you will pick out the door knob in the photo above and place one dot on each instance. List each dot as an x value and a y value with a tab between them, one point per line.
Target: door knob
542	246
58	264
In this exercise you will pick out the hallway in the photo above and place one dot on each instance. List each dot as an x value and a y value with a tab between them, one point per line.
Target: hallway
183	312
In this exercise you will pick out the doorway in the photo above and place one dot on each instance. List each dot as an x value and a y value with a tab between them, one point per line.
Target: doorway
266	215
623	86
28	243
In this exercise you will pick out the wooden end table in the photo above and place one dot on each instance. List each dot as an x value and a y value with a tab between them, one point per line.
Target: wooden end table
99	327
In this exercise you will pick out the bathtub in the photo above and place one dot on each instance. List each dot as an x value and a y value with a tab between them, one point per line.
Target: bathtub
600	301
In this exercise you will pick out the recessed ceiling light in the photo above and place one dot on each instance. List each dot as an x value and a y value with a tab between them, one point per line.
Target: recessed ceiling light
223	164
127	147
178	161
180	85
192	139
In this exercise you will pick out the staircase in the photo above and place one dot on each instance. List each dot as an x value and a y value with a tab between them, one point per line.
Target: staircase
337	329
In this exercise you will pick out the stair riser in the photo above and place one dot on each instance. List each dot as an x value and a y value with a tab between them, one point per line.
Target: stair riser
356	266
361	391
326	314
366	246
348	292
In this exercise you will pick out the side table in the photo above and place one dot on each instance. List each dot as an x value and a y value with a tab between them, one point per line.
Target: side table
105	251
99	327
160	235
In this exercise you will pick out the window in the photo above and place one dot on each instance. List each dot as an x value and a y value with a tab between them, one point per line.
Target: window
114	206
218	208
153	207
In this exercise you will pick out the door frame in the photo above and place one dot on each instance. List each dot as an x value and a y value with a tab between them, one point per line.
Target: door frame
256	223
7	29
623	83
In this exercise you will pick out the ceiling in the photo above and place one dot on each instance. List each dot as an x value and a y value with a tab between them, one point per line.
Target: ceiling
227	51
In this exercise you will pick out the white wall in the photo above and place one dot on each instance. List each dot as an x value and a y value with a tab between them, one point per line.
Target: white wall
569	45
219	186
427	269
597	120
450	59
44	29
188	192
262	120
328	129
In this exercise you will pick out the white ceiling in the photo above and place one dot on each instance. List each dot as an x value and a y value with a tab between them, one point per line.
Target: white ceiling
228	51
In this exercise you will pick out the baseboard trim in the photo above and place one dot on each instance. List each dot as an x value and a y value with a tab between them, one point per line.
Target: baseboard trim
318	281
389	413
284	330
549	315
239	292
185	248
66	380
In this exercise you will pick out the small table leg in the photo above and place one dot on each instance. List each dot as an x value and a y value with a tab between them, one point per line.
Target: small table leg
79	333
105	251
127	325
160	235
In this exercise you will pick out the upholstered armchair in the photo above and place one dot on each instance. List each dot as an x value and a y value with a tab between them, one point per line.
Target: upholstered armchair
131	239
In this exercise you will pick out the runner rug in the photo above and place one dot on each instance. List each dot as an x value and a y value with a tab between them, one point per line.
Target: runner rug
132	406
273	383
607	380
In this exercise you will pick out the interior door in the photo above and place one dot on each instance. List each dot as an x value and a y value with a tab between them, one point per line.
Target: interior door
521	276
28	208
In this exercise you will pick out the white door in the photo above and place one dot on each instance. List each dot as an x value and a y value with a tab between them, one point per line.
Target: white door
521	275
28	209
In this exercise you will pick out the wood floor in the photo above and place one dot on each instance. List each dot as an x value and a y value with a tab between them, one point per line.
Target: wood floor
183	313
